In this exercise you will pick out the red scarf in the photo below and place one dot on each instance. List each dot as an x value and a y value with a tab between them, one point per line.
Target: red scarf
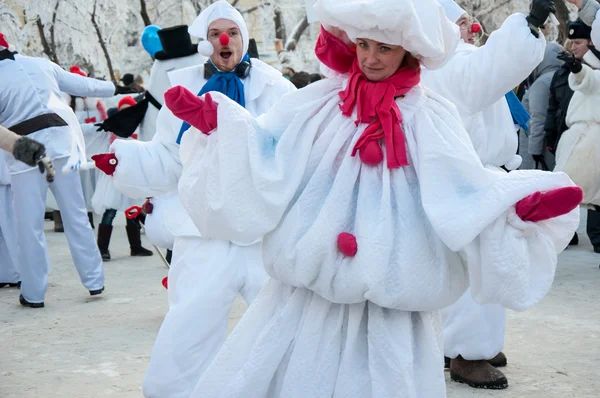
377	106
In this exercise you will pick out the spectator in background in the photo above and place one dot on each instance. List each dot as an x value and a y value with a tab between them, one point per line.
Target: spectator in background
531	143
579	35
560	92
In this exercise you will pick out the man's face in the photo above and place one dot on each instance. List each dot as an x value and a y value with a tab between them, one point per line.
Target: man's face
466	33
225	58
579	48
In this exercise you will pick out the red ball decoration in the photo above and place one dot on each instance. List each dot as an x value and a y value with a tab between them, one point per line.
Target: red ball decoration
347	244
147	207
224	39
476	28
371	154
165	282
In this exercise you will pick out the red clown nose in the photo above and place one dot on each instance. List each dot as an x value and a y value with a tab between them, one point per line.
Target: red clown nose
475	28
224	39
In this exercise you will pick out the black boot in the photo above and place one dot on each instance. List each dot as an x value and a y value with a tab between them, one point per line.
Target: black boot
575	240
58	224
26	303
135	242
48	216
104	232
91	218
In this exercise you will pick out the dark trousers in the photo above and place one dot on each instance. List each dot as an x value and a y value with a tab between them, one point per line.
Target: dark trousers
593	227
109	216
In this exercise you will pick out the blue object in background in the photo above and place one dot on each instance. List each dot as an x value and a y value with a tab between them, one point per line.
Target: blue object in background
150	40
517	110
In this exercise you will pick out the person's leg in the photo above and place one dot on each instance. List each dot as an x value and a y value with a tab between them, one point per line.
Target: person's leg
29	198
203	283
255	275
135	240
593	229
84	250
104	232
9	273
474	334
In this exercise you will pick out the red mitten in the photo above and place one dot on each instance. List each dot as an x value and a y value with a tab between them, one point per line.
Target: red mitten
199	113
551	204
107	162
333	52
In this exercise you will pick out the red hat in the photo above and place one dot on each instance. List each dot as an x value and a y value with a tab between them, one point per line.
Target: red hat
128	100
77	70
3	41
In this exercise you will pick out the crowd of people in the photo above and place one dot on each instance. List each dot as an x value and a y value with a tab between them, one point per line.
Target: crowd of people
378	217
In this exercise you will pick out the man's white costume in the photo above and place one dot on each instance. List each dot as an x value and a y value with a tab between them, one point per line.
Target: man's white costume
9	272
206	274
476	81
330	325
29	99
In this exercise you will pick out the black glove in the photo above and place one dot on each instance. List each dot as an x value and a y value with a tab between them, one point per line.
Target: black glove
124	90
572	63
29	151
540	11
100	126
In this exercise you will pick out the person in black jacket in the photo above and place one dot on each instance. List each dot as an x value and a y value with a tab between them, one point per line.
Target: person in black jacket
560	92
556	125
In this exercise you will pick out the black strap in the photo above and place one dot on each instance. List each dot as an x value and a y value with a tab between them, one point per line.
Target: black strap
153	100
38	123
6	54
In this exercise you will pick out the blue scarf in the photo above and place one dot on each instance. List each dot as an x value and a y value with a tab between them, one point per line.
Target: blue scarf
227	83
517	110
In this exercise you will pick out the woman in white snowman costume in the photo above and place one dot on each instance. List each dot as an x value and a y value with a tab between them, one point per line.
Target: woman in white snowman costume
375	210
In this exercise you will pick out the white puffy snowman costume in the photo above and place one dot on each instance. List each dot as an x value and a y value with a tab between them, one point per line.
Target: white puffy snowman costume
206	274
9	272
328	325
476	80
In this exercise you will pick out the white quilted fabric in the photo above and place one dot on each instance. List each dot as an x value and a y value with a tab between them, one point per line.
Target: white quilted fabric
289	176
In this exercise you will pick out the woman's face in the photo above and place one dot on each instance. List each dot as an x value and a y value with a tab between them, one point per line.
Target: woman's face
378	61
466	29
225	58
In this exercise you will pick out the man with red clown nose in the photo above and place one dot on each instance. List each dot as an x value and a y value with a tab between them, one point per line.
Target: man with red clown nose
206	275
476	80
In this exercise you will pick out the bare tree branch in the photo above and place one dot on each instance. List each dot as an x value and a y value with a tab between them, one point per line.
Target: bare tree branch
45	45
52	37
103	44
144	13
299	29
234	3
280	32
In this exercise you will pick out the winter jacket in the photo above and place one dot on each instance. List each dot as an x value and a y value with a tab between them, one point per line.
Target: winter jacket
578	153
560	97
538	97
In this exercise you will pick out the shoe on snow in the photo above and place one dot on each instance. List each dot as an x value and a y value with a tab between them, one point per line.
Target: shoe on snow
477	374
499	361
26	303
96	292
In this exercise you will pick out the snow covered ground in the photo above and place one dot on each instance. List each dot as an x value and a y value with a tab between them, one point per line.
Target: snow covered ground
79	346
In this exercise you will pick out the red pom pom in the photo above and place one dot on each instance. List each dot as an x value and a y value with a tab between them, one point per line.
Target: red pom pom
347	244
127	100
147	207
224	39
476	28
165	282
77	70
371	153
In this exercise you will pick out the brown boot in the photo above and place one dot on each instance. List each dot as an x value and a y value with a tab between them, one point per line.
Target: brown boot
58	224
499	361
477	374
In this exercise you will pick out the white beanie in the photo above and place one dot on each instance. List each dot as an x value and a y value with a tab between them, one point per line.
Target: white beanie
219	10
453	11
419	26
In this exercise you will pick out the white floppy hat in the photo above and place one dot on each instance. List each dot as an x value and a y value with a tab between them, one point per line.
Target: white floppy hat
219	10
419	26
453	11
